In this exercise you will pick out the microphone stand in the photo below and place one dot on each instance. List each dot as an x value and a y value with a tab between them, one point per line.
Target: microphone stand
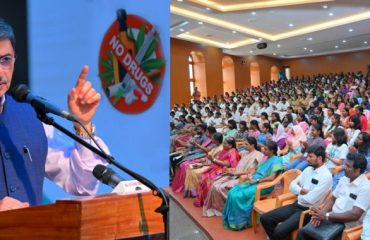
159	192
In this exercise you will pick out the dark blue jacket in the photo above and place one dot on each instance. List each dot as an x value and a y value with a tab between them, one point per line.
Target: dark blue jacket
23	150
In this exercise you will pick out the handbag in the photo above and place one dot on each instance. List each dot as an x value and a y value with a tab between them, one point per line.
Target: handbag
326	231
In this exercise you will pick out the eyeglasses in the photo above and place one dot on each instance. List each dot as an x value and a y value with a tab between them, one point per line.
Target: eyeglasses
7	61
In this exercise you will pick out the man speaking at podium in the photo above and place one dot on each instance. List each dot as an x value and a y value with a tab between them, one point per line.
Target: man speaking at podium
30	150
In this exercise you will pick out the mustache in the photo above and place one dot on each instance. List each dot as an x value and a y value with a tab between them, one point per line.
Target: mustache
3	79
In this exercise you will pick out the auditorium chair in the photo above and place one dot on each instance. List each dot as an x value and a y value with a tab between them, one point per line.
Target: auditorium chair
353	233
282	201
261	206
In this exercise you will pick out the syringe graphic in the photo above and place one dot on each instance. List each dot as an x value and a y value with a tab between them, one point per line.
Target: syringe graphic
128	85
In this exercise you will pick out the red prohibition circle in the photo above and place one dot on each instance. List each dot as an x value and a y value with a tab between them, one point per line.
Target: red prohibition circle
110	68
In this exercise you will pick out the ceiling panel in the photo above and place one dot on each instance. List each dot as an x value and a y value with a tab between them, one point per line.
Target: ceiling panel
274	23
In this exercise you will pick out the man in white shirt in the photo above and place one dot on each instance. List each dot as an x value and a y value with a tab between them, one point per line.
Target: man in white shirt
210	119
311	187
283	105
218	119
350	200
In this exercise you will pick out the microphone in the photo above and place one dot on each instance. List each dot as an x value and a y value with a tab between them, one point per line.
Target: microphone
106	175
21	93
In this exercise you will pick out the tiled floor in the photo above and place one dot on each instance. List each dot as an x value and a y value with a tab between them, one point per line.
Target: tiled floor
213	226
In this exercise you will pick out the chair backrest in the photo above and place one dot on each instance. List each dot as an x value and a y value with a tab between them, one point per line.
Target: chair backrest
288	177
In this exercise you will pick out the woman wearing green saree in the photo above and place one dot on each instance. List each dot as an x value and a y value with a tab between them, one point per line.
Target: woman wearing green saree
239	203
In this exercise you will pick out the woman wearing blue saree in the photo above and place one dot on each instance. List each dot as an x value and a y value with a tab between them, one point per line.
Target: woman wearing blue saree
239	203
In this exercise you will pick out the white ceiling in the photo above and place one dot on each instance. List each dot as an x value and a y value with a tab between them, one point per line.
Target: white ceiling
321	30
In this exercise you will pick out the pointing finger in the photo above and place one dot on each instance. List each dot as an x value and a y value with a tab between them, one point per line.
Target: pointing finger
82	77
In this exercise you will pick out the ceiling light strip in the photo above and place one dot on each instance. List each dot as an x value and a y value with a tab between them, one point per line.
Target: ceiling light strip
254	5
218	22
187	36
323	26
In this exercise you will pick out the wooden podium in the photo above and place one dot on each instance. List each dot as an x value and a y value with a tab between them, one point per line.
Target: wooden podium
102	217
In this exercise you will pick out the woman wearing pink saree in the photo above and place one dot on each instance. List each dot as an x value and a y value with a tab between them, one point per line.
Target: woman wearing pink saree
180	173
217	194
228	157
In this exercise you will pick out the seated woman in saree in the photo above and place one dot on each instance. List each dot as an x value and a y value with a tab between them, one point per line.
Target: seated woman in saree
294	141
180	172
236	214
201	149
192	170
228	157
216	197
200	138
183	135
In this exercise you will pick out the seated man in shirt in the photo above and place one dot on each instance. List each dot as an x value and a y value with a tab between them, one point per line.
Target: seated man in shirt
311	187
350	200
30	150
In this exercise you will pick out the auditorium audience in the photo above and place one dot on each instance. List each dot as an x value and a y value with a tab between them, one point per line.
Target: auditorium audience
216	198
330	110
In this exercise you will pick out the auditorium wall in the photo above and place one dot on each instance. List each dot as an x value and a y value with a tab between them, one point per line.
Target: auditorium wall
180	51
346	62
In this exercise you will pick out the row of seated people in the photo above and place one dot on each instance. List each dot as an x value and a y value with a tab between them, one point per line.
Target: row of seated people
225	184
223	179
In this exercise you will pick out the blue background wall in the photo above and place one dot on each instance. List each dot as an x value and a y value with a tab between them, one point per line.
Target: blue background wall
65	35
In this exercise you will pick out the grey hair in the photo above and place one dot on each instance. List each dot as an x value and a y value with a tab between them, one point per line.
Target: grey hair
6	32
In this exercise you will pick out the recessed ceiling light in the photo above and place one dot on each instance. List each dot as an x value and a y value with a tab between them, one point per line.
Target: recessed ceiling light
305	48
336	46
310	39
253	13
208	9
325	6
179	0
274	54
181	30
234	32
250	51
311	50
200	23
350	30
331	14
365	42
344	41
291	25
278	45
